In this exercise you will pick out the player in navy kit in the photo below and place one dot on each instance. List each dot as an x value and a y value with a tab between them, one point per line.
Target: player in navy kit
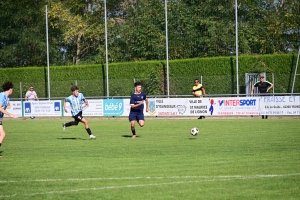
137	107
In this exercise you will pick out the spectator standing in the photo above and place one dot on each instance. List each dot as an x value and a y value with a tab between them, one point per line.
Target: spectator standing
198	91
263	88
31	96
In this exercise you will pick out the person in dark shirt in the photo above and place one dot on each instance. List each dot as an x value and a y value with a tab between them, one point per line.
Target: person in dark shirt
137	107
263	88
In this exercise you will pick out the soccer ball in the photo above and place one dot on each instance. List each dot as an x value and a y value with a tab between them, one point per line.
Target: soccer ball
194	131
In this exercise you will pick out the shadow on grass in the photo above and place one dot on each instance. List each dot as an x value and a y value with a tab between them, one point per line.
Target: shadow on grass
128	136
192	138
70	138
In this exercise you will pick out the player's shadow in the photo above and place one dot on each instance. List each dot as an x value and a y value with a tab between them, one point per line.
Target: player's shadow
70	138
128	136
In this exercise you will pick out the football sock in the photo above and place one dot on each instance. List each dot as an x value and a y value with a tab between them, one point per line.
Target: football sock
0	144
68	124
88	130
133	132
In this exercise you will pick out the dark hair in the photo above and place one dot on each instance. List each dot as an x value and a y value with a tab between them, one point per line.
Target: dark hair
6	86
137	84
74	87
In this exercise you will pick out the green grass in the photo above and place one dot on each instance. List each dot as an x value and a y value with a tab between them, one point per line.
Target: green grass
229	159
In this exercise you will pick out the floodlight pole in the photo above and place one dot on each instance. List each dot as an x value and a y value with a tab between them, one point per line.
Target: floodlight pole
237	48
47	42
167	47
106	50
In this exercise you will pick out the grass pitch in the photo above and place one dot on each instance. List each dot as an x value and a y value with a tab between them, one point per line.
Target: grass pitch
229	159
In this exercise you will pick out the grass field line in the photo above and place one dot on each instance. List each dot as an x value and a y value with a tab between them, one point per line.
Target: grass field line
154	177
205	179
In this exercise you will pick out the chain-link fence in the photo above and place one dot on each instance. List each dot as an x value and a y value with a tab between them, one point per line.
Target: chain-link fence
179	86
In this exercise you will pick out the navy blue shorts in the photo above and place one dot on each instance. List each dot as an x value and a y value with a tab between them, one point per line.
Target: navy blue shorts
78	117
136	116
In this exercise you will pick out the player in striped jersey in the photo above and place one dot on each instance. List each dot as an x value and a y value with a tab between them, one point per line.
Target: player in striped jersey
76	100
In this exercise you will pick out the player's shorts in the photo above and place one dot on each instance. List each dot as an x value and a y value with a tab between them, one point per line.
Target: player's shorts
136	116
78	117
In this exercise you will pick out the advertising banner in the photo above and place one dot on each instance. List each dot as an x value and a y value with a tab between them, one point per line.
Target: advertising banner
279	105
264	105
42	108
178	107
113	107
14	107
95	108
234	106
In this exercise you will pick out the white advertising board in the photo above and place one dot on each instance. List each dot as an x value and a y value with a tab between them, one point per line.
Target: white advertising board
178	107
14	107
95	108
42	108
279	105
264	105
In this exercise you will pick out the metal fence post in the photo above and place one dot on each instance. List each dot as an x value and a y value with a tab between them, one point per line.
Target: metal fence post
273	79
21	91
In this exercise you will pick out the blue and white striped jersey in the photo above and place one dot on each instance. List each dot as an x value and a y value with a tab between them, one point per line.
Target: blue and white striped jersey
76	103
4	100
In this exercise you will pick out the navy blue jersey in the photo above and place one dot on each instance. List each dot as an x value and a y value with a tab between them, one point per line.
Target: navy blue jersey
136	99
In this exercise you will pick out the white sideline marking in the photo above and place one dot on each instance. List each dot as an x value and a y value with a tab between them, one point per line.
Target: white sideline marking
205	179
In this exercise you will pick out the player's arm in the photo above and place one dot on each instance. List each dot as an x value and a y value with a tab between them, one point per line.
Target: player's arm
26	97
136	105
86	102
147	104
7	113
252	90
271	86
203	91
193	93
36	97
65	105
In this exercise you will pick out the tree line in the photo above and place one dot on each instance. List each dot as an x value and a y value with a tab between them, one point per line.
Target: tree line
136	30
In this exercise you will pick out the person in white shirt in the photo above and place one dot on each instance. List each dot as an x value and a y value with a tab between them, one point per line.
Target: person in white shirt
31	95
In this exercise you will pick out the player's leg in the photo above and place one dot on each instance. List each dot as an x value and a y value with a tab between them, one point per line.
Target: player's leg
132	118
132	127
141	119
71	123
2	133
88	130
